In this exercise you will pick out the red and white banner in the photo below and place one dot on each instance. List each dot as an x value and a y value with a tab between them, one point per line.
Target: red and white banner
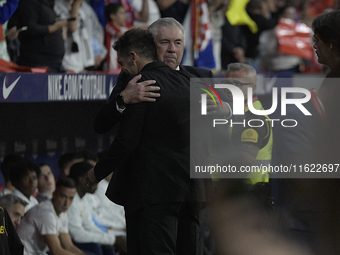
295	39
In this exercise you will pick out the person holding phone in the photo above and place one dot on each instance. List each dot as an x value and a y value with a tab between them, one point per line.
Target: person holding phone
41	44
84	44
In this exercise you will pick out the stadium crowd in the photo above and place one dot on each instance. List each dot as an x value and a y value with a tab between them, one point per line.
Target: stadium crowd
76	36
64	211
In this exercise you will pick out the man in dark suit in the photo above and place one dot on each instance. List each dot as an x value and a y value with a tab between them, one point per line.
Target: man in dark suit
150	158
169	39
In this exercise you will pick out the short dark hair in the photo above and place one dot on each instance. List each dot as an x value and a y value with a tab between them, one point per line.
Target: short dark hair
79	169
139	40
21	168
112	8
8	162
8	200
67	157
90	155
66	182
327	27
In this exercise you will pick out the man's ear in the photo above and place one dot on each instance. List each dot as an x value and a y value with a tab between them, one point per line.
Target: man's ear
133	56
330	46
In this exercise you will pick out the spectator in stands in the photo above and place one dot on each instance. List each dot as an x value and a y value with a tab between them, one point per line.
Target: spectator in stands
233	43
45	227
42	44
265	15
271	60
66	160
176	9
84	233
24	177
6	165
15	207
115	27
140	7
133	15
7	8
84	45
46	183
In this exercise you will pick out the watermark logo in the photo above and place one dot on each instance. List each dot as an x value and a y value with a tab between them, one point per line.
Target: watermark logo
279	104
238	104
238	100
204	97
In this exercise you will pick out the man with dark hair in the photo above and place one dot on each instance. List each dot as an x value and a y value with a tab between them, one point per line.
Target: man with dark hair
24	177
15	207
90	157
45	227
66	160
84	233
46	183
8	162
150	158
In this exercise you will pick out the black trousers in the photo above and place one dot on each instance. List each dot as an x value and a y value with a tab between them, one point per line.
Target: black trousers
171	228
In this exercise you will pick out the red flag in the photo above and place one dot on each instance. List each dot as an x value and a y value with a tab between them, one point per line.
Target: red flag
294	39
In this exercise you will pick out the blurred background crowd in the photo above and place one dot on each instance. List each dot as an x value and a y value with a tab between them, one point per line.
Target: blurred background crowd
76	36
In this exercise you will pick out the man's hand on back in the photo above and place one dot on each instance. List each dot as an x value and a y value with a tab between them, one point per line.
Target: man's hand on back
140	92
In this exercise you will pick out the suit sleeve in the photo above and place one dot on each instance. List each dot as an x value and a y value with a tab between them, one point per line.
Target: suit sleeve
108	115
125	143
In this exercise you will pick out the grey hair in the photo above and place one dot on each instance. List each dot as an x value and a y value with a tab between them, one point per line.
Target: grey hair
165	22
9	200
240	66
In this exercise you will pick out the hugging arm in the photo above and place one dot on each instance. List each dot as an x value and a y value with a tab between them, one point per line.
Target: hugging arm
134	92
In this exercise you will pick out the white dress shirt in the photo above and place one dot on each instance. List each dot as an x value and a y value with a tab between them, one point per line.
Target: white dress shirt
31	202
81	226
105	211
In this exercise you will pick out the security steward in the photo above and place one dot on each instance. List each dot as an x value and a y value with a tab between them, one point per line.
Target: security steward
252	140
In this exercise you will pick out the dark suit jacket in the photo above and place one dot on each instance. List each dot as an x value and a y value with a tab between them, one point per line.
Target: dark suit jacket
150	157
197	72
108	116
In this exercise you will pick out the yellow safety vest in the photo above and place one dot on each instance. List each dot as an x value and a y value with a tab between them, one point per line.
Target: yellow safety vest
264	155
